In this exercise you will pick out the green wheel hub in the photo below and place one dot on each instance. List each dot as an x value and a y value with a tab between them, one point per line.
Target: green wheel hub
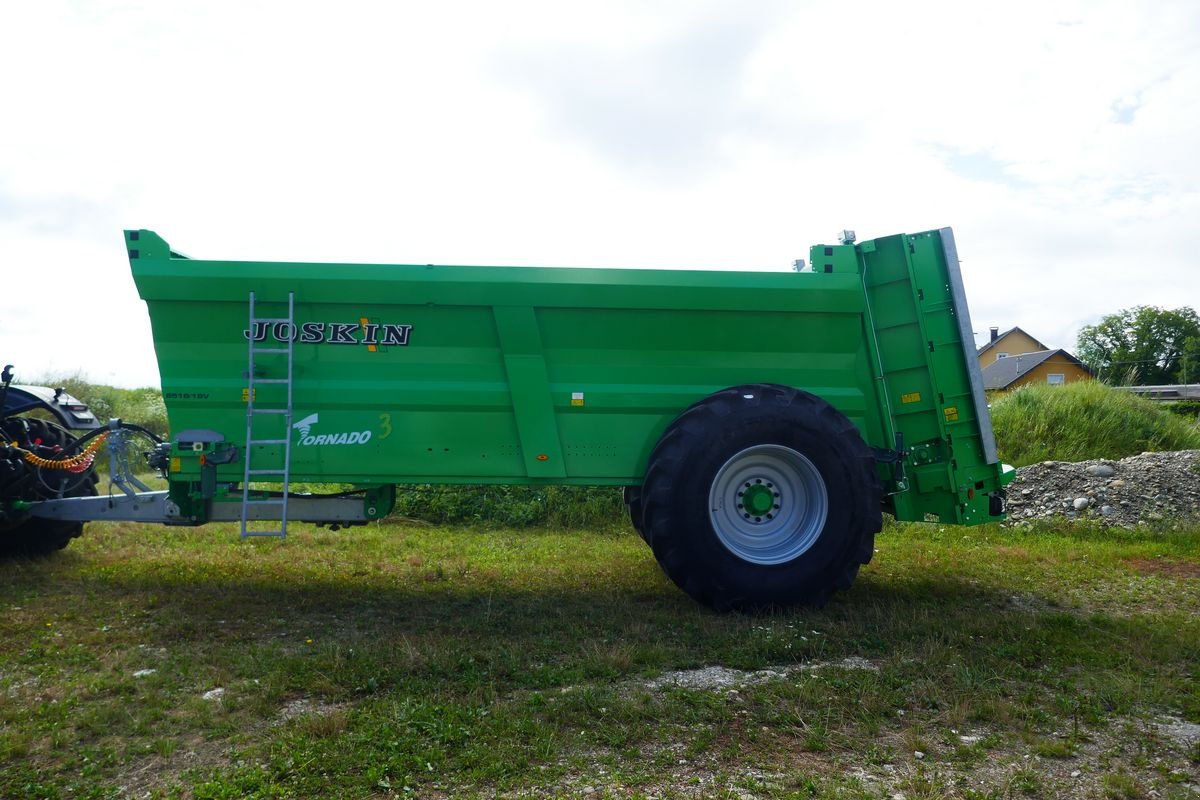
758	499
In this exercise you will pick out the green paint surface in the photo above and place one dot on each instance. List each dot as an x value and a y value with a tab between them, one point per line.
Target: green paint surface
481	374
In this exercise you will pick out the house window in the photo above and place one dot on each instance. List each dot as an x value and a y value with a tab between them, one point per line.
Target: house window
1056	379
1001	355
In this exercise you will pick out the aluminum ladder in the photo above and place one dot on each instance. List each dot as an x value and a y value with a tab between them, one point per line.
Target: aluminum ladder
254	411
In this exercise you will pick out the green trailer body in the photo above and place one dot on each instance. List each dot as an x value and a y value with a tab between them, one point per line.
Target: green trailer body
759	421
450	374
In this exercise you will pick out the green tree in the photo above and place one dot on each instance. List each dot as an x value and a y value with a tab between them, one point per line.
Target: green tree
1143	346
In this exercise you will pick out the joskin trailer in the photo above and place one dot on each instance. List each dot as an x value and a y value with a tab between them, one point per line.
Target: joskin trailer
758	422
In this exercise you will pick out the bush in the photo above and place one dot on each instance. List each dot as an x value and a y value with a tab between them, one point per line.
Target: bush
1185	408
1084	420
143	406
513	506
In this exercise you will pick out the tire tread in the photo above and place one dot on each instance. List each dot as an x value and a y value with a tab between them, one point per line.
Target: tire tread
675	546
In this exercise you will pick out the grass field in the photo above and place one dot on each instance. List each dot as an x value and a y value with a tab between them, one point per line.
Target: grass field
406	660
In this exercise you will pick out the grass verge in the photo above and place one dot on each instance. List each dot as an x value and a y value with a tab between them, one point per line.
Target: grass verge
445	662
1084	420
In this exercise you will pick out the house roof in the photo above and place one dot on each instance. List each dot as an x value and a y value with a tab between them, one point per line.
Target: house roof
1003	372
1000	337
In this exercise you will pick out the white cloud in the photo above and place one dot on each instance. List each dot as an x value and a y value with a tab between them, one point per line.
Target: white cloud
1056	137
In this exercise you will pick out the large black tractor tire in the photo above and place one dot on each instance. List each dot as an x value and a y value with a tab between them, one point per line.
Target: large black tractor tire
633	505
761	496
32	536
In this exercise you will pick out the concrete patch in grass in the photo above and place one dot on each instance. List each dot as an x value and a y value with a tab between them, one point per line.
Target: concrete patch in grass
304	706
718	677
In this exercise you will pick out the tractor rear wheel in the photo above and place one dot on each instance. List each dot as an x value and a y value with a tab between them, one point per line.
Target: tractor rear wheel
29	536
633	505
761	496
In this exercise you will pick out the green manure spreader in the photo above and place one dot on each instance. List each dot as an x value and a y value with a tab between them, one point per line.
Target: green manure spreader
759	423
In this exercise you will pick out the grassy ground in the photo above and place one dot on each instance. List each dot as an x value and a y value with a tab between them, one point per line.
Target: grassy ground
418	661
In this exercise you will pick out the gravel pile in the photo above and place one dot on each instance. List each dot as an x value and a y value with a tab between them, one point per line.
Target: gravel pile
1144	488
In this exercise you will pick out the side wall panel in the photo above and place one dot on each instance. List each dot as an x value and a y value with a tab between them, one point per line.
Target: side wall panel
508	374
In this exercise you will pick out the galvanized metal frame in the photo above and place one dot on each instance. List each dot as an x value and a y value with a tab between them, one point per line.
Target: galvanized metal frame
157	507
961	312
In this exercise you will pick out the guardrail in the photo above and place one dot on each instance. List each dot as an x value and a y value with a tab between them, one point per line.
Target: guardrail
1166	393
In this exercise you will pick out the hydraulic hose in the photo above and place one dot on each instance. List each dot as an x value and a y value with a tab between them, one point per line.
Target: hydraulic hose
76	463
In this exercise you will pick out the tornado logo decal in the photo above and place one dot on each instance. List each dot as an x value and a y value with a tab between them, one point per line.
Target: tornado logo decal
309	439
305	425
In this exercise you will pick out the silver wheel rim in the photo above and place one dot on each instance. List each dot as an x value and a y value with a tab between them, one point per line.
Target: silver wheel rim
738	509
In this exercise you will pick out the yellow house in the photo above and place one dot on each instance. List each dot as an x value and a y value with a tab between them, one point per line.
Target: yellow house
1012	342
1014	358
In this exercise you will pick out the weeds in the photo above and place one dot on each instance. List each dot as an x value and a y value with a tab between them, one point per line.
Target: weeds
1121	786
513	506
1084	420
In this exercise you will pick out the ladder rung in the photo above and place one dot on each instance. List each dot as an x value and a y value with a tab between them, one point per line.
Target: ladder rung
283	474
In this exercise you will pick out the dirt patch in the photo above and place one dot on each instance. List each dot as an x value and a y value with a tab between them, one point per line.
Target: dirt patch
1027	603
1158	566
146	776
724	678
713	678
1180	731
1125	758
303	706
1018	553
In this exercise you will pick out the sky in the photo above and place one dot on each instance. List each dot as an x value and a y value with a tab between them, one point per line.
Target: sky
1060	140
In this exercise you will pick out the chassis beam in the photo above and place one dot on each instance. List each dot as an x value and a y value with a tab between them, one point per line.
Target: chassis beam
157	507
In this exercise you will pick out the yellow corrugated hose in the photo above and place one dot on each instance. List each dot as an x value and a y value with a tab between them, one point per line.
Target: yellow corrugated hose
76	463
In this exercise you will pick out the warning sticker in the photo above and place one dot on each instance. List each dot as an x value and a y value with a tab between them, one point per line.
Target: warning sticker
951	413
911	397
576	398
